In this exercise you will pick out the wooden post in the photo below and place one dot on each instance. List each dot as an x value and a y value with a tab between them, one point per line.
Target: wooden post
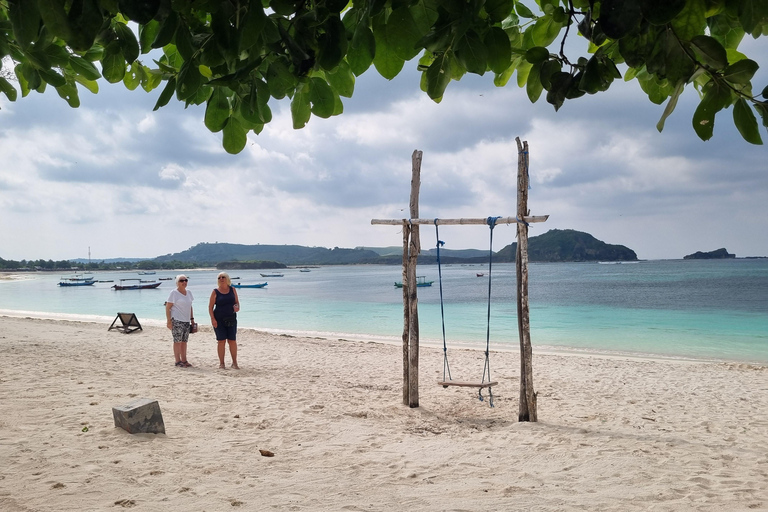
406	311
527	409
410	282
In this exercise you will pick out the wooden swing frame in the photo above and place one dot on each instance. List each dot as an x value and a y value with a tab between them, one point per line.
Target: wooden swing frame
411	250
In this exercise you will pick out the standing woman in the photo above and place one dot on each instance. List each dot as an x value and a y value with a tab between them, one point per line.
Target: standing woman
178	312
223	307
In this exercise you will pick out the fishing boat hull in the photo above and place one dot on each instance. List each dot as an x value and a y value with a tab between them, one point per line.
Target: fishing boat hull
147	286
257	285
271	275
77	283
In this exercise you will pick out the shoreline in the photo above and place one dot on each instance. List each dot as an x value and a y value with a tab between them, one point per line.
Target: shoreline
613	434
371	338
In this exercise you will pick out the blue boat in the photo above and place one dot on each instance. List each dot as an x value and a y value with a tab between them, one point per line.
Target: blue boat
420	281
257	285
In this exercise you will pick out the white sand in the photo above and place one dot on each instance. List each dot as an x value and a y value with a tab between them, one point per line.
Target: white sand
614	434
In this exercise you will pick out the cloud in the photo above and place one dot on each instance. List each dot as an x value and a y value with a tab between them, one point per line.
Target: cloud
597	165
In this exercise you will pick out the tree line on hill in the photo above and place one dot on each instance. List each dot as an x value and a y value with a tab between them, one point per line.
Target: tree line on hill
553	246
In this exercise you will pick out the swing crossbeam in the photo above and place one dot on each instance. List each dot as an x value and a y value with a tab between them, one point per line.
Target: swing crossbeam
465	384
446	222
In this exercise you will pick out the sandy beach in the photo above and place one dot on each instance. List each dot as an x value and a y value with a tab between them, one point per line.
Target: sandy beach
614	433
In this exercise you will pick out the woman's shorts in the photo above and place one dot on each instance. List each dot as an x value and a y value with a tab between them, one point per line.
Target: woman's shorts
226	332
180	331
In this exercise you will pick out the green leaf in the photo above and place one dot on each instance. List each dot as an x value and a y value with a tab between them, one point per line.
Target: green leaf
471	53
499	50
746	122
691	20
501	79
714	100
534	87
387	62
619	17
321	98
189	81
147	34
128	42
741	72
710	51
54	18
167	94
68	92
300	109
342	80
183	40
84	68
543	32
279	79
7	89
362	50
523	72
523	11
332	43
132	77
235	136
252	25
112	63
548	71
166	32
91	85
661	12
151	79
52	77
438	76
762	109
498	10
560	84
591	82
402	33
671	104
537	55
139	11
217	110
25	20
85	22
727	30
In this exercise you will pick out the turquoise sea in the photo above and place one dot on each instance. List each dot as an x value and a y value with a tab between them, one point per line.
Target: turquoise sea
713	310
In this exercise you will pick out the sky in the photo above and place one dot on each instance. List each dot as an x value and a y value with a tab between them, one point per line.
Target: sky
119	180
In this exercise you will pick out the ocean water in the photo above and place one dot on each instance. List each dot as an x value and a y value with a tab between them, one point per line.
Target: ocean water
714	310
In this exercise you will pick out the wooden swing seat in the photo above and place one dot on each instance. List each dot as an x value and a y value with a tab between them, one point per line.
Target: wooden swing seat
466	384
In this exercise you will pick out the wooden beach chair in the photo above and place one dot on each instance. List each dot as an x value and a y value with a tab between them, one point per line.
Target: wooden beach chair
129	323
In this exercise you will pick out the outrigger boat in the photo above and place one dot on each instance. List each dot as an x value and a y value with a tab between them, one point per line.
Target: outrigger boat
256	285
142	285
77	278
420	281
77	283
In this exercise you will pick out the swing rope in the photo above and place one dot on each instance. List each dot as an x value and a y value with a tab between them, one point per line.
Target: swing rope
487	368
446	366
491	221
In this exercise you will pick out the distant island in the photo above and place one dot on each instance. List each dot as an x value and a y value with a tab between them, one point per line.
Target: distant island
719	254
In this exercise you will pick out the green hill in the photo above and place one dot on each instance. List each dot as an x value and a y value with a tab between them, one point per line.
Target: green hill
568	245
554	245
211	254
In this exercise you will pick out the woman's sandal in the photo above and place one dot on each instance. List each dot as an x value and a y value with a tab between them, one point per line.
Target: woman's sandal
185	364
